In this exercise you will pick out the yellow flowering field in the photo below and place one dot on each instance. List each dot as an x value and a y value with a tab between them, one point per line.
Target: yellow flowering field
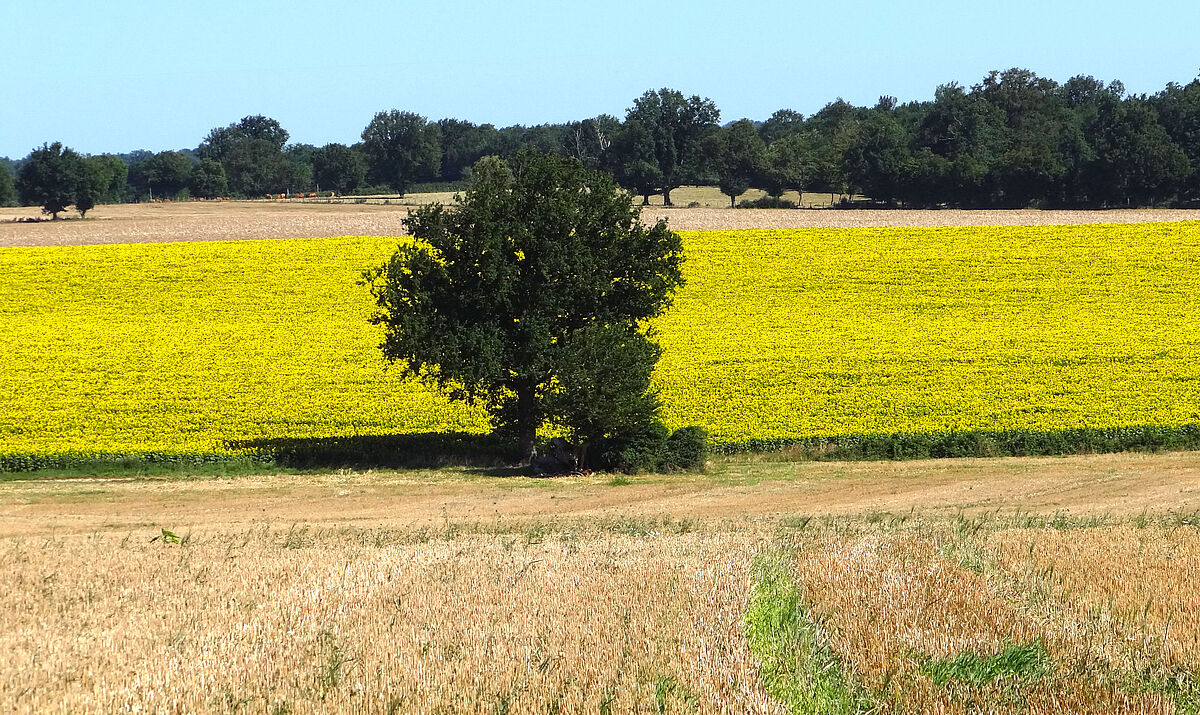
876	331
185	348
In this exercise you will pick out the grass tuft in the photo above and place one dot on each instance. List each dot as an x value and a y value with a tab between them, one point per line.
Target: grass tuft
1023	662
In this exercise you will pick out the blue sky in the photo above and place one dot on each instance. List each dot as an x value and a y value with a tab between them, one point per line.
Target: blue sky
117	76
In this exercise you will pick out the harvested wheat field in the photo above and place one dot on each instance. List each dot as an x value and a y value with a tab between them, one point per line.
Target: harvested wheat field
1017	585
247	220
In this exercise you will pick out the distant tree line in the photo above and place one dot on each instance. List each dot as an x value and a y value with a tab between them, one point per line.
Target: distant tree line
1013	140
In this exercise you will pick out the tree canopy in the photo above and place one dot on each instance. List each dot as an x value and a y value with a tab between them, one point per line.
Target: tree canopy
337	167
8	191
502	300
401	147
52	177
677	127
1014	139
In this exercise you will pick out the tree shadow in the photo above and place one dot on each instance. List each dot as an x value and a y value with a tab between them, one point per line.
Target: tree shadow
423	450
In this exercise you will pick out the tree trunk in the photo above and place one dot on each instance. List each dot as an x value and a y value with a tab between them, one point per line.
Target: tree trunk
731	203
646	199
667	197
526	423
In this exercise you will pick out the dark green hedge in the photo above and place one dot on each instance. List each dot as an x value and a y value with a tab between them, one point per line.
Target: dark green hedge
977	443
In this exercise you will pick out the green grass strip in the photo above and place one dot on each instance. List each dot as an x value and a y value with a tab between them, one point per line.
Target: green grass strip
1022	662
798	669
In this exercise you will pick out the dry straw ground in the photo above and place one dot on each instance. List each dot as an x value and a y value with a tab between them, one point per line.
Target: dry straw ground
454	592
238	220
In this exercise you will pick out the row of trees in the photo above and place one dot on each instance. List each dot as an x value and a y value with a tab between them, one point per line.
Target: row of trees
1015	139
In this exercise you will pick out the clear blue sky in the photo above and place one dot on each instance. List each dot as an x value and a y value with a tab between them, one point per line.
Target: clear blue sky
116	76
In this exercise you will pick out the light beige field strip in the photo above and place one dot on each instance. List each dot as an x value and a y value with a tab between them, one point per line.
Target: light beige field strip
1117	484
247	220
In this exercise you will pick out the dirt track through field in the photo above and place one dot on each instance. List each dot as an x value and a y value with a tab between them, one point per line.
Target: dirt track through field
248	220
1121	484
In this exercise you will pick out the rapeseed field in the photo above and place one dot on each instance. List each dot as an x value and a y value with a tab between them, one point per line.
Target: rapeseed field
198	349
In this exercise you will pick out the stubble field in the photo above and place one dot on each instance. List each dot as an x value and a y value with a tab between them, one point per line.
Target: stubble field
1024	585
257	220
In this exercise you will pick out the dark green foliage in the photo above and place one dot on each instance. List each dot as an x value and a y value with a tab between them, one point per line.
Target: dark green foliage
632	161
877	159
978	443
251	152
337	167
8	191
790	164
221	141
104	181
589	141
1135	161
108	178
489	301
766	202
52	177
254	167
163	175
601	388
781	125
677	126
401	147
208	179
738	158
463	144
686	450
632	452
653	448
1178	109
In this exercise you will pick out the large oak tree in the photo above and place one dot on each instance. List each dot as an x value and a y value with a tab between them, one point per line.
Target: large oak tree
506	298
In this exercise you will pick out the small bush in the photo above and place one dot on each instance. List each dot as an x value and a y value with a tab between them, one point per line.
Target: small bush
654	449
685	450
767	202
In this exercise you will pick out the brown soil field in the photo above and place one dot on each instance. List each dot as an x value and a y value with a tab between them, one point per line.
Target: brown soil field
241	220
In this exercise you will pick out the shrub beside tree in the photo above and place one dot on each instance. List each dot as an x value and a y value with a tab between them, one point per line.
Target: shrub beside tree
531	297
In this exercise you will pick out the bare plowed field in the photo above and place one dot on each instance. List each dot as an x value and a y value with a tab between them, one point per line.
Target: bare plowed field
243	220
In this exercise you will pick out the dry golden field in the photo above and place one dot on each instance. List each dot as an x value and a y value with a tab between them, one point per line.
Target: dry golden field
1020	585
240	220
